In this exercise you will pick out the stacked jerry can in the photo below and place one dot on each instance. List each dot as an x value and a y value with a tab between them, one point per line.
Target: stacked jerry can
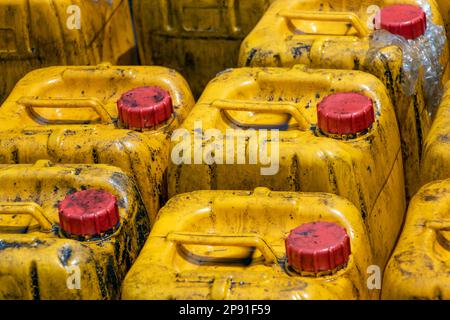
67	227
436	160
400	42
120	116
106	129
196	37
239	245
40	33
419	266
289	178
331	131
323	132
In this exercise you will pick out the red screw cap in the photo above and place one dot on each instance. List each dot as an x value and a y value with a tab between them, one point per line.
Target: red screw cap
317	247
88	213
345	113
145	107
404	20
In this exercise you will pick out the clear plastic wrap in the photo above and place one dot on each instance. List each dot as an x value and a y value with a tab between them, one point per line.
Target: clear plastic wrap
424	52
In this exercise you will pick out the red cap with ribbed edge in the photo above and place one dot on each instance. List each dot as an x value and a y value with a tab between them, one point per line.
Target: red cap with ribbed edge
88	213
145	107
317	247
345	113
404	20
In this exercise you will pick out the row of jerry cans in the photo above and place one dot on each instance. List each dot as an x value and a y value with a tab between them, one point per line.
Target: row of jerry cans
330	34
341	35
368	139
86	115
73	224
205	244
419	266
59	113
184	29
73	231
266	244
36	34
119	116
199	38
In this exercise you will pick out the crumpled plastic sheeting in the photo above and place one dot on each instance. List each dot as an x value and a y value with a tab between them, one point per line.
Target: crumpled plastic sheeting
426	49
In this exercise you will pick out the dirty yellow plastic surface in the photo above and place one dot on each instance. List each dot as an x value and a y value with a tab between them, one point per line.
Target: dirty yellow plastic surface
36	261
230	245
69	115
444	9
420	265
335	35
199	38
436	162
40	33
367	170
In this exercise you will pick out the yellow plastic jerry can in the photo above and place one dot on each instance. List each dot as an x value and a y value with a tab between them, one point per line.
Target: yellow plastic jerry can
40	33
297	129
254	245
196	37
120	116
420	265
339	35
67	231
436	161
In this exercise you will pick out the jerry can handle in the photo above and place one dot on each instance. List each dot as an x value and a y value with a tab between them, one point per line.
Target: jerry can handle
439	225
226	240
330	16
264	107
27	208
91	103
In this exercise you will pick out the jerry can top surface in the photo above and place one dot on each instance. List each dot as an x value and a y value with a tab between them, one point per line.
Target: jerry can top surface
291	100
436	162
87	95
36	230
231	245
246	94
419	266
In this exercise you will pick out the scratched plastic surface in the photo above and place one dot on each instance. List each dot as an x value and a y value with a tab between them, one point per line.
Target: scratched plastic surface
366	169
37	261
40	33
336	35
69	115
420	265
230	245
